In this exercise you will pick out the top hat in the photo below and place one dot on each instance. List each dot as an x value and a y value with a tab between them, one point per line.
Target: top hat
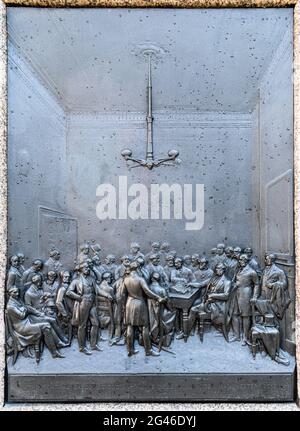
269	320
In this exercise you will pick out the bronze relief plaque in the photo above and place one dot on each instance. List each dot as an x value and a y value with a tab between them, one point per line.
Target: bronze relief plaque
150	203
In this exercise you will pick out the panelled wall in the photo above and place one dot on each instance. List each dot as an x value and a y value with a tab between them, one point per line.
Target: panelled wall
274	168
37	174
215	150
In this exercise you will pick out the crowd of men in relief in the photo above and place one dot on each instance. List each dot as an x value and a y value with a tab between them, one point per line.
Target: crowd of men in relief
50	305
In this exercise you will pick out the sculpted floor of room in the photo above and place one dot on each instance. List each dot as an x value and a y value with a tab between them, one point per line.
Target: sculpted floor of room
214	355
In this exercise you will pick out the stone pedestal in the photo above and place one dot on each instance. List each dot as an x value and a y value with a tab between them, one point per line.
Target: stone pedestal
210	371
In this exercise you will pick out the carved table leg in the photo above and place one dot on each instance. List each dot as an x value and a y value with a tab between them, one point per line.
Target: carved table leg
254	344
201	325
185	324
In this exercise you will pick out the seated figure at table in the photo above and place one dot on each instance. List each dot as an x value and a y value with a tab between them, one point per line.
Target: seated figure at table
29	326
169	259
161	317
195	262
180	277
216	302
203	276
217	299
154	266
187	261
180	280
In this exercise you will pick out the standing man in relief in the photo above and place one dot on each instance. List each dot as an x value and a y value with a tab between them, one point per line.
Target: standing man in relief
246	289
84	253
136	291
274	298
14	276
83	291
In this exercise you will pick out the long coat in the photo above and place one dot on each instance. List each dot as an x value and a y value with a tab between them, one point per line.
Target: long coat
82	287
26	331
220	287
136	290
246	287
274	292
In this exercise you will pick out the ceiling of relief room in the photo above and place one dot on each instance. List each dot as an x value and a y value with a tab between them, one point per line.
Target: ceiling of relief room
93	59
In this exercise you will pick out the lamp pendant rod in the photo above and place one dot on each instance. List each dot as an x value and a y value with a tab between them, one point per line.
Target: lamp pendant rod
149	162
149	151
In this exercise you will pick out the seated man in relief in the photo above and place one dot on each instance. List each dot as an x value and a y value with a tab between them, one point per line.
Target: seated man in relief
34	297
181	277
29	326
216	302
203	276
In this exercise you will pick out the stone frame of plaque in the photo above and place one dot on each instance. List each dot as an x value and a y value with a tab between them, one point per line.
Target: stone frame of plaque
261	370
